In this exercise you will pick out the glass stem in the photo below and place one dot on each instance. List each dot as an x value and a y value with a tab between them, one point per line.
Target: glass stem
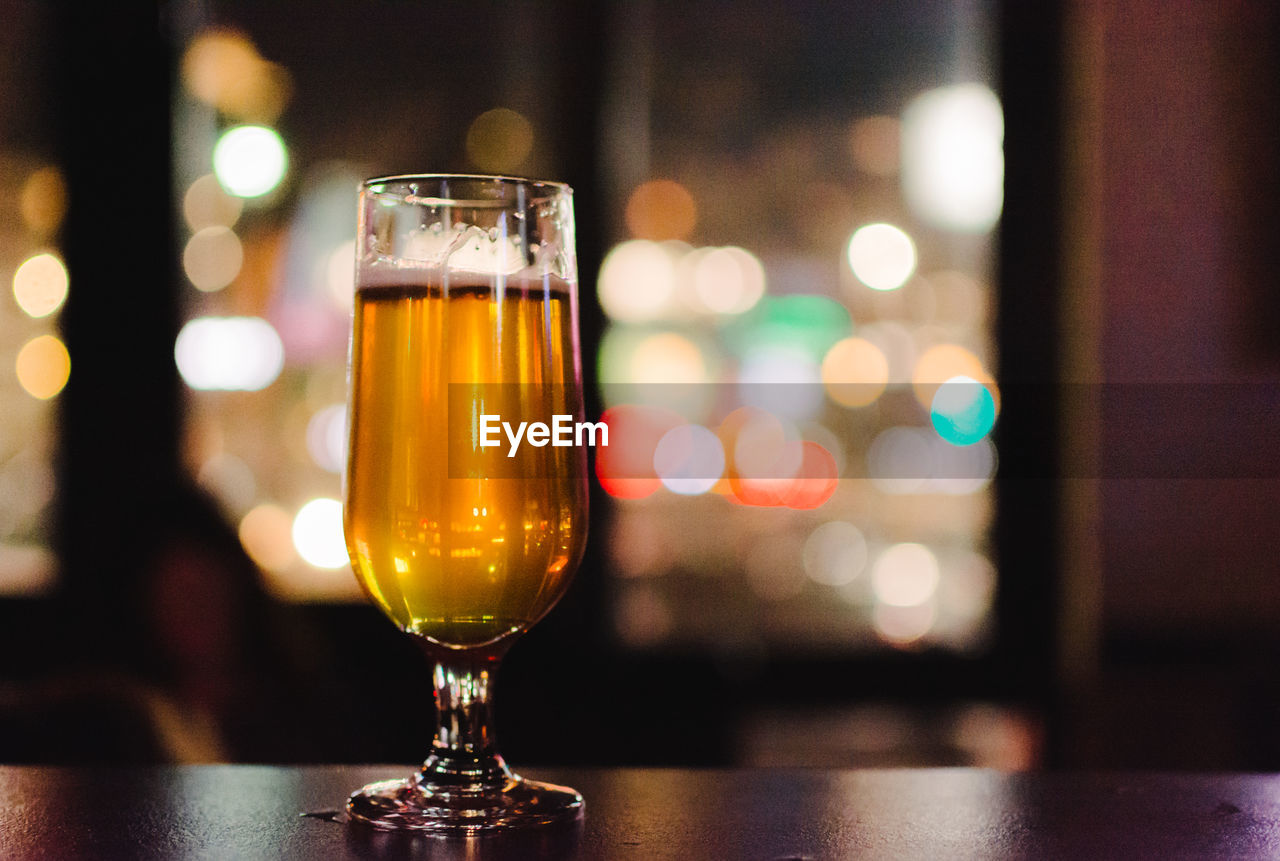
464	755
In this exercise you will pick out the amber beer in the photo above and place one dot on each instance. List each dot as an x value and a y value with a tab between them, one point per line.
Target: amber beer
448	548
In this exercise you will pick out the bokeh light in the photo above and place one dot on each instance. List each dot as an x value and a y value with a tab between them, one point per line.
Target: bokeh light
40	284
953	157
689	460
905	575
962	411
800	323
900	460
815	480
223	69
317	533
903	626
625	467
499	140
327	438
667	358
835	553
661	209
881	256
637	282
229	353
874	143
229	479
212	258
43	200
43	367
782	380
207	204
340	274
266	533
943	362
728	280
250	161
855	372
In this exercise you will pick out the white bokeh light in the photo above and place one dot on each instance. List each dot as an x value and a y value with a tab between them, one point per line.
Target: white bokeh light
882	256
953	157
317	533
250	161
229	353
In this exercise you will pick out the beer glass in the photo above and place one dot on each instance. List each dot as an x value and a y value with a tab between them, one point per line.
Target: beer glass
465	307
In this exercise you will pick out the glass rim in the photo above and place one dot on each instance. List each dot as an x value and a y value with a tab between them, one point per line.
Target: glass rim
551	187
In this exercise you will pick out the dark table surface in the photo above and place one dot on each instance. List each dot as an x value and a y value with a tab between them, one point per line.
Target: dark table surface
255	812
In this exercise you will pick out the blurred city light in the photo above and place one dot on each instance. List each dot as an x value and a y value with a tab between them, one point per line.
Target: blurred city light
905	575
637	282
43	367
40	285
962	411
249	161
901	626
943	362
340	274
688	460
661	209
900	460
728	280
953	157
317	533
223	69
882	256
807	325
43	200
499	140
667	358
212	258
327	438
266	533
835	553
229	353
207	204
855	372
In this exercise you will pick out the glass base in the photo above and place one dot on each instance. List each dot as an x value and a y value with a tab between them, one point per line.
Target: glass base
394	805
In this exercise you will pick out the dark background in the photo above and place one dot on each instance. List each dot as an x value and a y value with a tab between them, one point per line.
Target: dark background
1138	616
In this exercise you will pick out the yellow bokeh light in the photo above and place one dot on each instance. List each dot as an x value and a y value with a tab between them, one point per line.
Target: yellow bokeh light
212	258
207	204
267	535
40	285
943	362
43	200
667	358
43	367
855	372
223	69
499	140
661	209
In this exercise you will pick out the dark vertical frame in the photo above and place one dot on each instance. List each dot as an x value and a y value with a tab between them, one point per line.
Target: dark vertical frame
120	412
1028	331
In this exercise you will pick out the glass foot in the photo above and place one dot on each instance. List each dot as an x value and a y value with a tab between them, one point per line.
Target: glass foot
407	804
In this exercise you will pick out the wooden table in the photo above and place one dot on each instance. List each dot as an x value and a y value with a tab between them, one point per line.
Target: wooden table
249	812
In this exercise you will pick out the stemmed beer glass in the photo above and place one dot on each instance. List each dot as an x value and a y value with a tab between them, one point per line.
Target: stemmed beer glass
465	307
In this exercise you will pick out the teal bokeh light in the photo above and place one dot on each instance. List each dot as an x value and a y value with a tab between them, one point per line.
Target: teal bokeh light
963	411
